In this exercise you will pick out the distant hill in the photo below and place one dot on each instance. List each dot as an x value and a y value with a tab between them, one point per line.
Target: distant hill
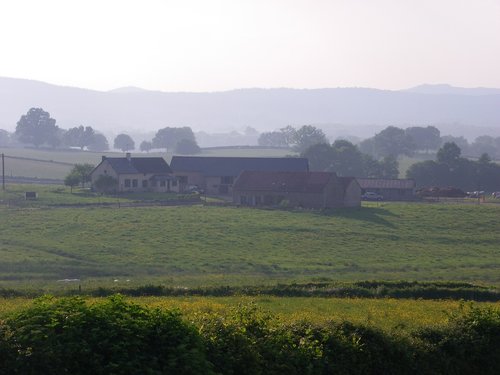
357	111
444	89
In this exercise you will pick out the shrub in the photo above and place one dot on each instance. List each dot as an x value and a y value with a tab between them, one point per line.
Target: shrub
115	337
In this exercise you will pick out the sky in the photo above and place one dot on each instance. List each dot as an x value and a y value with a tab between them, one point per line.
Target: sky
214	45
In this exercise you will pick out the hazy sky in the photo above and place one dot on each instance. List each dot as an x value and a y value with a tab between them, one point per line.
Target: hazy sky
211	45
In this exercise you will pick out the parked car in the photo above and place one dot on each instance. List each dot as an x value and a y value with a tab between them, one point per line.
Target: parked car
475	194
496	194
372	196
194	189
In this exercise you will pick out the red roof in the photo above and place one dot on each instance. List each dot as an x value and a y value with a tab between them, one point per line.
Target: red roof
303	182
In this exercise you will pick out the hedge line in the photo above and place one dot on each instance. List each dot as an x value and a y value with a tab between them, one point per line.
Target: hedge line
364	289
60	336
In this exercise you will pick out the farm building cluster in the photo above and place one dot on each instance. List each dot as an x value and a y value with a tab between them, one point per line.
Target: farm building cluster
249	181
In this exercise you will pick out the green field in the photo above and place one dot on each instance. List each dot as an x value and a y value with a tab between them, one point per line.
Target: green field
203	246
56	164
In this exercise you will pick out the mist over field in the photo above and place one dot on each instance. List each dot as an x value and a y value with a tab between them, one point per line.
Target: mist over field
356	112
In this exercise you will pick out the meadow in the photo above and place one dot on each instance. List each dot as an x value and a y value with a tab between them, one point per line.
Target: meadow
56	164
209	246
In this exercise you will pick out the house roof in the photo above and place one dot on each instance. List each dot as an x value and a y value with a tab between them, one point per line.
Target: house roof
346	181
303	182
233	166
155	165
382	183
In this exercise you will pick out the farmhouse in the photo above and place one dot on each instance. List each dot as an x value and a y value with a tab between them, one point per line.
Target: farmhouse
137	174
390	189
296	189
216	175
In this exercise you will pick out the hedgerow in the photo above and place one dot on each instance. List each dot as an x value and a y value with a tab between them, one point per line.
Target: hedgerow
70	335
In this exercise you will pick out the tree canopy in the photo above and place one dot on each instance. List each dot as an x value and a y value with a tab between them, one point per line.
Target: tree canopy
36	127
79	136
428	138
99	143
146	146
345	159
169	137
187	147
124	142
451	170
83	172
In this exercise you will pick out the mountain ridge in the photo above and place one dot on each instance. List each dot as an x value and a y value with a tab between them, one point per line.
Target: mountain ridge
127	108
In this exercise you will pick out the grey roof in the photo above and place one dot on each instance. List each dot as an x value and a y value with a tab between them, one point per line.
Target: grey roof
233	166
155	165
382	183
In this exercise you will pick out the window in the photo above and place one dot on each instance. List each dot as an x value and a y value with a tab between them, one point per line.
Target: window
144	183
127	182
174	183
183	179
227	180
162	183
243	199
134	182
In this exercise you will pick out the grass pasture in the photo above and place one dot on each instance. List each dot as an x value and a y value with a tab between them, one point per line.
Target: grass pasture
203	246
56	164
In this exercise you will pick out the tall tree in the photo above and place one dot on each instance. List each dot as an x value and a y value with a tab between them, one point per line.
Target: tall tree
37	128
82	171
187	147
320	156
79	136
347	159
146	146
392	141
168	137
99	143
428	138
124	142
307	136
72	180
273	139
449	154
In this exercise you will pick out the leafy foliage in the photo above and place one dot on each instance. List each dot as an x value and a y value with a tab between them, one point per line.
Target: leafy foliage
98	143
452	170
169	137
67	335
345	159
146	146
124	142
38	128
71	336
106	184
187	147
79	136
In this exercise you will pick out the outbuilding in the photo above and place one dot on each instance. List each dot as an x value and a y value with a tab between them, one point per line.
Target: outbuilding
317	190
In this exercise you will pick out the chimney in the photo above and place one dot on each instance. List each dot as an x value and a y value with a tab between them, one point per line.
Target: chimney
103	157
128	156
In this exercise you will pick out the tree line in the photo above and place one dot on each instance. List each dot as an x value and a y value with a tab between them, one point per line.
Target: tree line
453	170
38	128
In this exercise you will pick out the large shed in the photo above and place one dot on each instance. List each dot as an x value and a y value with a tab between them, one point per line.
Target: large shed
390	189
296	189
216	175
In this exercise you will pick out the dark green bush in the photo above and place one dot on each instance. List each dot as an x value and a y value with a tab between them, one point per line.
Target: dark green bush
70	336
